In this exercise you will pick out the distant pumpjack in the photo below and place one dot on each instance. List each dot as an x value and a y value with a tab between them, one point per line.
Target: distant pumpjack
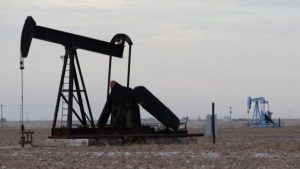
261	113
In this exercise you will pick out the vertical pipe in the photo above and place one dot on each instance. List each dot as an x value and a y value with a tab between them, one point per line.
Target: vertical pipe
22	141
109	74
129	62
279	122
22	97
22	104
213	123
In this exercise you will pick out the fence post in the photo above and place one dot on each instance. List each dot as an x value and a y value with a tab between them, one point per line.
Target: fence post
213	123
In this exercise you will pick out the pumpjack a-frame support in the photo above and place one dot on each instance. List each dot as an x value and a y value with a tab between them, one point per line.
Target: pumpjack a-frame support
73	92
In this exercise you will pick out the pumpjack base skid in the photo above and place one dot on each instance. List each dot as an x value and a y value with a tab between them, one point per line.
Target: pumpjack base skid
109	132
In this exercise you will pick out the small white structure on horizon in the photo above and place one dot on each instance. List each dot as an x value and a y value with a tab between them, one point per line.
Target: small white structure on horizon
226	118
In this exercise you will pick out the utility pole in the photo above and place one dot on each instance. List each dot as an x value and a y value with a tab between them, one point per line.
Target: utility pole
20	117
27	119
230	112
2	115
290	114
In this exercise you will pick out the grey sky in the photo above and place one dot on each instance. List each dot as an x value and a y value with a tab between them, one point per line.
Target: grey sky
188	53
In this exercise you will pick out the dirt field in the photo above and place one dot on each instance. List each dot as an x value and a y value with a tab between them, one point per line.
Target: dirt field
236	147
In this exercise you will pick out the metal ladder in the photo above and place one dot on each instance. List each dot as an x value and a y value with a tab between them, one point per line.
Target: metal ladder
64	105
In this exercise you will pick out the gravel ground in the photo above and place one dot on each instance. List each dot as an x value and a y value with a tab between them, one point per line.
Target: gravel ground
235	148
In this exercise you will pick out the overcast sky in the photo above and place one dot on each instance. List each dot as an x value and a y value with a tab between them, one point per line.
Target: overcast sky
189	53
